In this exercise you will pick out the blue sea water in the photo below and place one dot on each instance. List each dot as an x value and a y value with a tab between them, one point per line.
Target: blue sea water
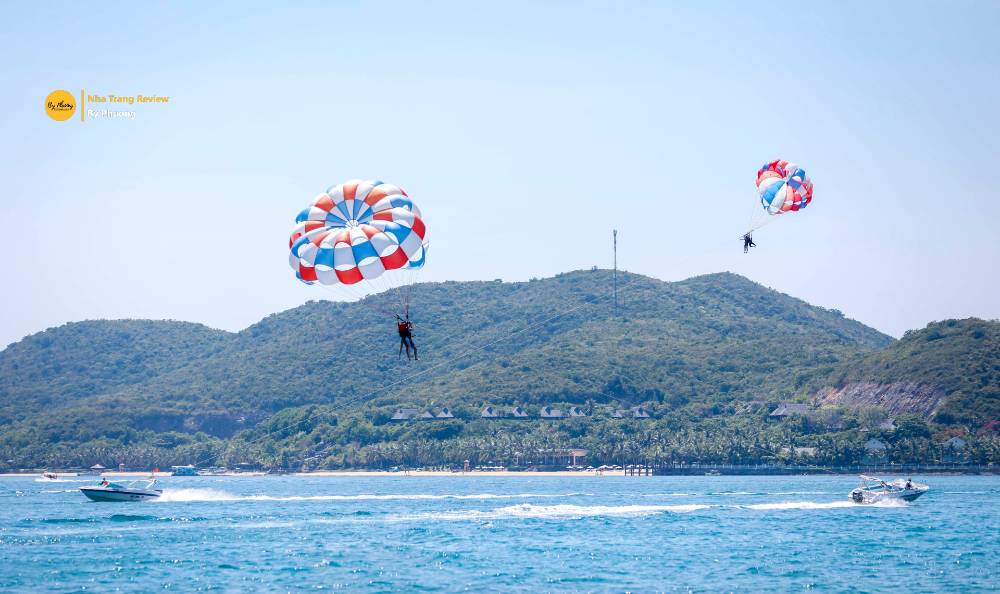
504	534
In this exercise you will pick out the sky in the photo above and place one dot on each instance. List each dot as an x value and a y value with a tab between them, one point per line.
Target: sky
525	132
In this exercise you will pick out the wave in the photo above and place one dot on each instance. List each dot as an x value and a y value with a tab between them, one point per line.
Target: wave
176	495
799	505
133	518
65	520
172	495
115	518
734	493
528	510
820	505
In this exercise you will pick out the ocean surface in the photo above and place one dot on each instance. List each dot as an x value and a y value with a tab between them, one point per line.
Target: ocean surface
503	534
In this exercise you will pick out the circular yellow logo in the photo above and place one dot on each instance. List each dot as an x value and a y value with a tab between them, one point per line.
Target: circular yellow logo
60	105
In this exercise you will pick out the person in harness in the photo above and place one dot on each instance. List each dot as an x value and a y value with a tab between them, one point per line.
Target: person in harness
748	243
405	328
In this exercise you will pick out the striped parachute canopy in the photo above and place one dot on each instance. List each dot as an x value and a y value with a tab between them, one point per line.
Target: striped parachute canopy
357	231
783	187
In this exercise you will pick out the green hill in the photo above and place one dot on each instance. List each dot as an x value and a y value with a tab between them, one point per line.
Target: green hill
953	366
694	352
60	366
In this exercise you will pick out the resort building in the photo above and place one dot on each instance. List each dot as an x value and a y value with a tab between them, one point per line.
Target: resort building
518	413
875	445
564	456
405	414
639	413
551	413
799	451
874	450
445	413
574	411
955	443
788	409
490	413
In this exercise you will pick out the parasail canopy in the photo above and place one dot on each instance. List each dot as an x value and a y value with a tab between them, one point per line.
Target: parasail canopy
783	187
357	231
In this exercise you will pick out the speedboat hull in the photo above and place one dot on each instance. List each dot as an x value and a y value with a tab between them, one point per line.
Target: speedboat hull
862	496
105	494
874	490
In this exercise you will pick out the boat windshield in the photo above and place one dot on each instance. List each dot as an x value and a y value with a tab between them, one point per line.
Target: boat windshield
146	484
873	482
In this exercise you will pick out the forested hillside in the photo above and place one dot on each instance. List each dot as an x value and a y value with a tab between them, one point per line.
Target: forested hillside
698	353
954	365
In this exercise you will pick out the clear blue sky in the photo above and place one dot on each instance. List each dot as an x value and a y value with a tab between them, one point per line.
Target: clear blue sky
525	131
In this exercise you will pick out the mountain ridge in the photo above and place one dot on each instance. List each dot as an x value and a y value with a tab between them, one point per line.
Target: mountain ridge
688	349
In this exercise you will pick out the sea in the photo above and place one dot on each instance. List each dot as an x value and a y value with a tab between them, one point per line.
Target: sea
416	533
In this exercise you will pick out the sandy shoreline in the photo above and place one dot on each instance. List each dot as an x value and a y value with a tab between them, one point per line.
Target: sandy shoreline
338	473
459	473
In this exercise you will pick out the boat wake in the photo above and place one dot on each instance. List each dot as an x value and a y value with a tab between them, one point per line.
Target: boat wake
175	495
819	505
528	510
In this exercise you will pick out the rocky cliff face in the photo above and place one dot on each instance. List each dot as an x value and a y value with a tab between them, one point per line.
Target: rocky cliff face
895	397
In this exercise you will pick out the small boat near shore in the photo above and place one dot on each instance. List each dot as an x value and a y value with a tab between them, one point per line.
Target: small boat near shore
873	490
140	490
187	470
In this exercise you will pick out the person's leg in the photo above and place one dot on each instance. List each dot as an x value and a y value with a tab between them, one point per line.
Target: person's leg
414	345
402	343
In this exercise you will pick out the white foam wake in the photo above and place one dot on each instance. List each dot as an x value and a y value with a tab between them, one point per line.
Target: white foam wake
197	495
799	505
528	510
218	495
821	505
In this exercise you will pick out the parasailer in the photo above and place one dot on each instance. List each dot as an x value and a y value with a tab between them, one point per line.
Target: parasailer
783	187
405	328
366	234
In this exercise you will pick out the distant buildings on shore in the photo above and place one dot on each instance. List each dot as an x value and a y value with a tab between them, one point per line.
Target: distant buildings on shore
789	409
407	414
519	412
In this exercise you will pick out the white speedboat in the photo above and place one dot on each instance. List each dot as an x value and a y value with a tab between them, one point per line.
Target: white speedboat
873	489
131	491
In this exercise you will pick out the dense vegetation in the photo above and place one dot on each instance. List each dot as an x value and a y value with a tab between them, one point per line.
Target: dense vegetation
962	357
316	386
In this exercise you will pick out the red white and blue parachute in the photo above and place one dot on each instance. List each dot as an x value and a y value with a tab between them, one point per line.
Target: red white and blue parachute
357	231
783	187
